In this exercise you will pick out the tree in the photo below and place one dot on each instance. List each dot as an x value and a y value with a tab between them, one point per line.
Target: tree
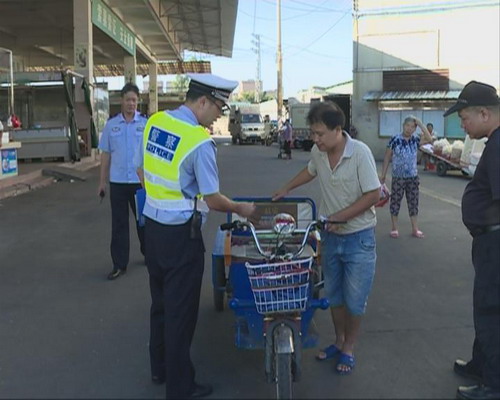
181	83
267	96
247	97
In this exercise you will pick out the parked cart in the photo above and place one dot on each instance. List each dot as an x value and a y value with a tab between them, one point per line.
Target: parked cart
443	164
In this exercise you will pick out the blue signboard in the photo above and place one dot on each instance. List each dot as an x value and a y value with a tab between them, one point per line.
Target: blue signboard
9	161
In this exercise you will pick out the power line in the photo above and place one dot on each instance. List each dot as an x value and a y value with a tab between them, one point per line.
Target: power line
254	15
312	7
284	19
288	45
319	37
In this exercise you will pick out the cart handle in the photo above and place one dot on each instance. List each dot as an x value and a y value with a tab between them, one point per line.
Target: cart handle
244	225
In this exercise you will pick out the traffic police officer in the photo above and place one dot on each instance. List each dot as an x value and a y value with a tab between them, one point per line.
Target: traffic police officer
121	137
181	180
478	107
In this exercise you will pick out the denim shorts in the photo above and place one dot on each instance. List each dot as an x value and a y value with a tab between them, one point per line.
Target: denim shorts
348	263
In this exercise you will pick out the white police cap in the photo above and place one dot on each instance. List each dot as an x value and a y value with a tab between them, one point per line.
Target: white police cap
212	85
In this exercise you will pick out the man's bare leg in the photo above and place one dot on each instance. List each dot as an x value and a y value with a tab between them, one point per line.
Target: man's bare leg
338	318
352	326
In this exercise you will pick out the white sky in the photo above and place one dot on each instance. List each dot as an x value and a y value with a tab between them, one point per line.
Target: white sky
316	40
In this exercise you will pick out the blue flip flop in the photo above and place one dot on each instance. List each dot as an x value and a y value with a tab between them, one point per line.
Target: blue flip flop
330	352
348	361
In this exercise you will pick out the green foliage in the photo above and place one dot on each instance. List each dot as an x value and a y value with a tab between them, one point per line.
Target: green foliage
181	83
249	97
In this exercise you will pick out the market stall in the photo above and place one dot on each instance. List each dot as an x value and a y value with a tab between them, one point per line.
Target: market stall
45	104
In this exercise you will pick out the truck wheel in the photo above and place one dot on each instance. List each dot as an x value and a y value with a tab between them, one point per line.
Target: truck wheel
441	168
297	144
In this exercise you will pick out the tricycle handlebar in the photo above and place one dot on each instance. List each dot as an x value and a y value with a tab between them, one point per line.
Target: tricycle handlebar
313	225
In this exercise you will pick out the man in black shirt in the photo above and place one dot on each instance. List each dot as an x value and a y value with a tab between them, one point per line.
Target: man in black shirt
478	106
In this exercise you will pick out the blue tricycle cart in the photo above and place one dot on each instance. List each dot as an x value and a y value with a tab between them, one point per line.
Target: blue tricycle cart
268	269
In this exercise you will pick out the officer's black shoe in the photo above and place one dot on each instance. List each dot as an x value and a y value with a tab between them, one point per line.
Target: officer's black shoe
466	370
477	392
158	380
201	391
116	273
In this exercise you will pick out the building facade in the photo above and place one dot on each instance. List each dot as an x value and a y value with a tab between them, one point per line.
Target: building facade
413	58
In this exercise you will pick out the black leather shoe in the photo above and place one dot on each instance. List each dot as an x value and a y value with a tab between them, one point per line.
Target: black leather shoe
465	369
201	391
158	380
116	273
478	392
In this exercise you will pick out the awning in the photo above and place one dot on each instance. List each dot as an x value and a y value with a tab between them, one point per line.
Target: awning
167	68
409	95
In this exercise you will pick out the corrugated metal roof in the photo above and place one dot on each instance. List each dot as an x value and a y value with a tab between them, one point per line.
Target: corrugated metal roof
168	68
423	95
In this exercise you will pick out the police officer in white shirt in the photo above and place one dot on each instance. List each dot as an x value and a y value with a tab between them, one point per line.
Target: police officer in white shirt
120	139
178	165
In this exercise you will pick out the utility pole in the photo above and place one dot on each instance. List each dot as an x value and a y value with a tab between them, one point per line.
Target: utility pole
256	50
279	62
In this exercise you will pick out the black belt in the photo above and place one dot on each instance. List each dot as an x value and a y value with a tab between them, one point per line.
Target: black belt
483	229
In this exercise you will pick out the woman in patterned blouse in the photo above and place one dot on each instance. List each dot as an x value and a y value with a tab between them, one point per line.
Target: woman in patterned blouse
403	149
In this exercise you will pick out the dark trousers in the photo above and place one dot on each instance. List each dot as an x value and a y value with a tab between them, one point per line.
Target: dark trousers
400	186
175	264
122	198
486	307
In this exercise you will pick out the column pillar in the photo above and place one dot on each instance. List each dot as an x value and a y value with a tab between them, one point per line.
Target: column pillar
84	65
130	69
153	89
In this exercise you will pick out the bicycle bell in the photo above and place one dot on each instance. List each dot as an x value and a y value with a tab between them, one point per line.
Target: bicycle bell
284	224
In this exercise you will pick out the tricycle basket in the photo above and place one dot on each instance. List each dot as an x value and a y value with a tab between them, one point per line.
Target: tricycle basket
280	287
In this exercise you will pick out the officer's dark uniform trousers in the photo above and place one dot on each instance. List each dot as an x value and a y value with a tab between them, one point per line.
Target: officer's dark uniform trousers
175	263
481	215
122	197
486	307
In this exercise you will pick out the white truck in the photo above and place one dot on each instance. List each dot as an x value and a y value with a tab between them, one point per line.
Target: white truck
298	117
246	125
301	132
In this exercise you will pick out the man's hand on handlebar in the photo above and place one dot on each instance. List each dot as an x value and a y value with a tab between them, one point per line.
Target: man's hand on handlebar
331	224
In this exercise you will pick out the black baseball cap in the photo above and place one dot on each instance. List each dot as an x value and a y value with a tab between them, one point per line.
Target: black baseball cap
475	94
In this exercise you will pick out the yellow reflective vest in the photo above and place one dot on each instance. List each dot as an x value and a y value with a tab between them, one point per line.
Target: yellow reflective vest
167	142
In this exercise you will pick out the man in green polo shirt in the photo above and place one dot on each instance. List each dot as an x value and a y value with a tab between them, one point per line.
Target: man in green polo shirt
349	189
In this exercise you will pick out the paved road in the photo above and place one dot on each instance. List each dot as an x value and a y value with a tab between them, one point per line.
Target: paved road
67	332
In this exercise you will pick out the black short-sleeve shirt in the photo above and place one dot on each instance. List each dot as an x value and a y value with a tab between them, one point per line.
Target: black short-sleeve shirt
481	199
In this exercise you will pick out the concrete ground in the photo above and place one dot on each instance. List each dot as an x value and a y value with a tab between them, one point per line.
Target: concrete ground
67	332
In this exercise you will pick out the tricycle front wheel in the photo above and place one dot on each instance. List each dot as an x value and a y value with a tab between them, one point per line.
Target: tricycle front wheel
283	368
